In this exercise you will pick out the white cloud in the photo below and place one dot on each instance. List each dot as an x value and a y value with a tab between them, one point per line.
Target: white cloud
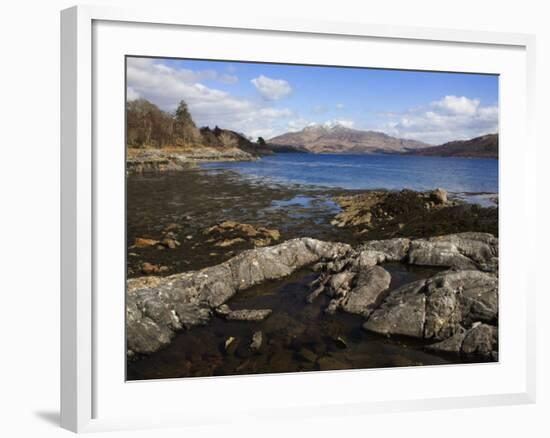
131	94
339	122
271	89
298	124
339	106
450	118
457	105
165	86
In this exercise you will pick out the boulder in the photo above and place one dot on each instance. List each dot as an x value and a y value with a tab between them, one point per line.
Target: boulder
438	308
450	345
370	284
481	339
403	312
461	251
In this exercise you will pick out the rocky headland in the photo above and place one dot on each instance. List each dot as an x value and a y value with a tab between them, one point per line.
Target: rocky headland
157	141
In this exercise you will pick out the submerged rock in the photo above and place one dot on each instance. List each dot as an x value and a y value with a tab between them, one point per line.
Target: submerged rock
402	313
243	314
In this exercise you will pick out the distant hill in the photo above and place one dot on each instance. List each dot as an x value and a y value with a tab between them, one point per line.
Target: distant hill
340	139
485	146
147	126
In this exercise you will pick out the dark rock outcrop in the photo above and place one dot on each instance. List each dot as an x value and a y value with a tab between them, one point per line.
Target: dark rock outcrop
382	214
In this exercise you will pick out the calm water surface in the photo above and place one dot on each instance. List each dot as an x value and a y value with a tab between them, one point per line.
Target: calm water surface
394	172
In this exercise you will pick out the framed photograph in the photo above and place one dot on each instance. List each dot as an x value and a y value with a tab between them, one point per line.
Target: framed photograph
256	208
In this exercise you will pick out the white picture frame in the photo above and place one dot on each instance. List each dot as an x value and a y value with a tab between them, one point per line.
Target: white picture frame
85	174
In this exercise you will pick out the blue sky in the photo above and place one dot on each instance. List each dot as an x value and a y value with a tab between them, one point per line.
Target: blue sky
270	99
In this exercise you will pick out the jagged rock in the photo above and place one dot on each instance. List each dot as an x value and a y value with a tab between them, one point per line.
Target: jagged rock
369	285
481	339
339	284
462	251
403	312
450	345
157	307
438	307
320	283
476	294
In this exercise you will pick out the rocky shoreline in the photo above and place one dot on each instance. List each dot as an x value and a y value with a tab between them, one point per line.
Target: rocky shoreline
143	160
398	271
453	311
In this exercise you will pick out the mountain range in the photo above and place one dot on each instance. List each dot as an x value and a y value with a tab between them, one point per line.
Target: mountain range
485	146
338	139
